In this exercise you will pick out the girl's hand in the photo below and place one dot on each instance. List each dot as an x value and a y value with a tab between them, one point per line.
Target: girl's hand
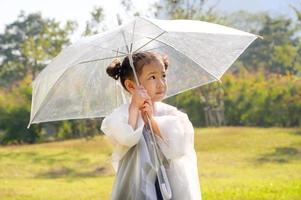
139	97
147	109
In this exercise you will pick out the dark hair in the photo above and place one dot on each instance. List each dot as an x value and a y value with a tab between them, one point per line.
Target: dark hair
123	70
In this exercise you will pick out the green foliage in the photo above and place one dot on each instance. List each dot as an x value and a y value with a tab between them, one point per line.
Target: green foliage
190	103
249	99
259	100
297	11
187	9
65	131
280	48
93	26
14	114
27	45
86	128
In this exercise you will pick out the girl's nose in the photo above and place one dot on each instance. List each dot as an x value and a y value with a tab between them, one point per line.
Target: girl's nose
161	83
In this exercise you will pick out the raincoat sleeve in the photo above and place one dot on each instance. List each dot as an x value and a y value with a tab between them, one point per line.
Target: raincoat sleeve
116	127
177	132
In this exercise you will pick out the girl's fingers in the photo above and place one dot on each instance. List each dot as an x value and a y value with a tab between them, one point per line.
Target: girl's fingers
146	109
145	104
148	102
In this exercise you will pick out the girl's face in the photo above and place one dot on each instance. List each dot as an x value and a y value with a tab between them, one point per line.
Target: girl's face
153	79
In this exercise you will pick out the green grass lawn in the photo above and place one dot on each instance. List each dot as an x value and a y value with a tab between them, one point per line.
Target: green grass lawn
238	163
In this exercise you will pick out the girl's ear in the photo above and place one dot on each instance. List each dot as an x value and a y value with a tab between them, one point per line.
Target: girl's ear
130	85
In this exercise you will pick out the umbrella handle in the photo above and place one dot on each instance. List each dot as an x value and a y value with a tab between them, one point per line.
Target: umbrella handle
164	183
153	137
133	68
150	125
162	176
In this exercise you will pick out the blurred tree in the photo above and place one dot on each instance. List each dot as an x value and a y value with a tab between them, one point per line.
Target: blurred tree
279	51
130	8
95	25
256	99
190	103
28	44
188	9
297	11
14	114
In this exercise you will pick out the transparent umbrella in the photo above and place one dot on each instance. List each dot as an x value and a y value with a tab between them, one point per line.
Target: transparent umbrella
75	84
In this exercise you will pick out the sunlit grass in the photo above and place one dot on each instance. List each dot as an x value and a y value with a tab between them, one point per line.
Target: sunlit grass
249	163
237	163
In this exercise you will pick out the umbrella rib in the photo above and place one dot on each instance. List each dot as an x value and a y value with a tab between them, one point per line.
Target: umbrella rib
152	39
153	48
87	61
125	42
147	20
133	33
109	49
187	57
65	118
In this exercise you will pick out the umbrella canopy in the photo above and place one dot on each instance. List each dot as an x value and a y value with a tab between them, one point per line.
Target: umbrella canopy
75	84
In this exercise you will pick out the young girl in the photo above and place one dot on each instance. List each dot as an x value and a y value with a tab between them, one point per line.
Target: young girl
173	130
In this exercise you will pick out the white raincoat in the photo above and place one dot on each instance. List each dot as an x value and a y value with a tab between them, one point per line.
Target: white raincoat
176	129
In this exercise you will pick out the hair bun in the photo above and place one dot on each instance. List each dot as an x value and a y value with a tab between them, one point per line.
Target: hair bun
114	69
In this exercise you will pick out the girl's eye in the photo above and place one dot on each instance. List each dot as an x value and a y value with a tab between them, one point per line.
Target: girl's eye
152	77
164	75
